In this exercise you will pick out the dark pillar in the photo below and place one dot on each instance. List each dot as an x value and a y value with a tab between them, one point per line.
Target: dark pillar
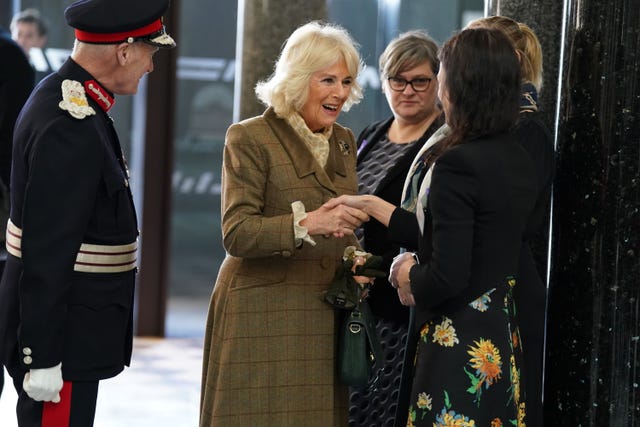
593	357
592	373
263	26
156	209
545	19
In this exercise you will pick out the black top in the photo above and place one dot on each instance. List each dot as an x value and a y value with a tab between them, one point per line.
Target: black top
481	195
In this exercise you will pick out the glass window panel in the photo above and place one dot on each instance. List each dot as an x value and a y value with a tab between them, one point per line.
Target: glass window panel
206	64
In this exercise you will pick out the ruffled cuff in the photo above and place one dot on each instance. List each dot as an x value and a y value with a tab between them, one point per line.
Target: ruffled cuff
300	233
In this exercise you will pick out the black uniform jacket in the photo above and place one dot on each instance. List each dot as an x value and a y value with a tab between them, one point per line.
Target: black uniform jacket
481	195
383	298
69	187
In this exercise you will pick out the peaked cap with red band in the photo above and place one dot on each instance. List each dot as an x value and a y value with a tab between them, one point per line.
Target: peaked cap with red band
119	21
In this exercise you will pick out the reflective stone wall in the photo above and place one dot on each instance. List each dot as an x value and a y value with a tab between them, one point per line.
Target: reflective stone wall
593	358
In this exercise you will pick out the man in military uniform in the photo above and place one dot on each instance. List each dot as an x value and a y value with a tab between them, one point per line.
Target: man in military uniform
66	296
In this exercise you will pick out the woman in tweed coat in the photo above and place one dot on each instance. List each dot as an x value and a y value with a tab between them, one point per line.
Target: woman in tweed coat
269	342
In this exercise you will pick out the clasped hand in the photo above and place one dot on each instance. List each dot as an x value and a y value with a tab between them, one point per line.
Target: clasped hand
44	385
399	277
339	221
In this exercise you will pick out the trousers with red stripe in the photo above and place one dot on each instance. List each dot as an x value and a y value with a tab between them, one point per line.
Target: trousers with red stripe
77	406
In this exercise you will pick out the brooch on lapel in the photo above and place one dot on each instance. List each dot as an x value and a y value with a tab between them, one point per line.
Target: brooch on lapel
344	147
74	100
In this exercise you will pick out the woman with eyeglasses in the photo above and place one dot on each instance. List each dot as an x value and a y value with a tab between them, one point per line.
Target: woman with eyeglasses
386	149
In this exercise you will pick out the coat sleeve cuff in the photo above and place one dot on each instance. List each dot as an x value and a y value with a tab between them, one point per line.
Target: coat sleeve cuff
301	234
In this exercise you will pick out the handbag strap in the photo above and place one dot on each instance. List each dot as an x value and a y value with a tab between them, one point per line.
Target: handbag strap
374	344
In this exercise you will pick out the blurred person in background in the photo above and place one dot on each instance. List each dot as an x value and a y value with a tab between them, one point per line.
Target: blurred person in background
16	83
29	29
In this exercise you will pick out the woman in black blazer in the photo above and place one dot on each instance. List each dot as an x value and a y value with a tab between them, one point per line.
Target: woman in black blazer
477	203
482	192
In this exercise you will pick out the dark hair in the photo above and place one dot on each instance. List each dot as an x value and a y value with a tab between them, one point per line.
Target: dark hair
482	77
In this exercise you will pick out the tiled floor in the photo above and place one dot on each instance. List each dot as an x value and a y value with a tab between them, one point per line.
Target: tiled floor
162	386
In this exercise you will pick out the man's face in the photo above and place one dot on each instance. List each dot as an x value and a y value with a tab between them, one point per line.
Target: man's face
27	36
139	62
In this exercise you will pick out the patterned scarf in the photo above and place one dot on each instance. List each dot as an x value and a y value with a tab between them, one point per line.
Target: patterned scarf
528	98
418	180
318	143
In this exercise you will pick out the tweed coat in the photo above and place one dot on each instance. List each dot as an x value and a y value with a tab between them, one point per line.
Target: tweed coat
270	339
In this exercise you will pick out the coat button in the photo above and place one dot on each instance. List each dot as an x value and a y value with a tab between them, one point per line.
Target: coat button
26	351
286	254
27	360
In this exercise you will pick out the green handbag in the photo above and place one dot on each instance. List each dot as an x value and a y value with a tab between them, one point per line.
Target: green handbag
359	350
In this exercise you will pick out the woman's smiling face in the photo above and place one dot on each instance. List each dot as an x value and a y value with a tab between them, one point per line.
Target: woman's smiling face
329	88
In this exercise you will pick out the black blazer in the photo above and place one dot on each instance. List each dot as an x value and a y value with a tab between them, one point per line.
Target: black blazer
383	298
481	196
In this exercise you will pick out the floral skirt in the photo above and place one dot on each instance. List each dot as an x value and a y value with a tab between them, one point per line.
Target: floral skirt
467	366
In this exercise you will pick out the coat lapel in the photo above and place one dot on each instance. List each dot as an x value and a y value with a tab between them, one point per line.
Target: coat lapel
303	161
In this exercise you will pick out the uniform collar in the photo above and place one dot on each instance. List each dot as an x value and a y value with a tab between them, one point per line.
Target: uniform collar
101	96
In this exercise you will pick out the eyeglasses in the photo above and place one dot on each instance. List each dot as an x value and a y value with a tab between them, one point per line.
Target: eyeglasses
419	84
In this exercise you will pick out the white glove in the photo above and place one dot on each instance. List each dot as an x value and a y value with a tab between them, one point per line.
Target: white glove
44	384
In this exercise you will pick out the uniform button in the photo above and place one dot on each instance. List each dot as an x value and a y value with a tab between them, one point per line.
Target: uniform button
286	254
276	253
26	351
27	360
126	183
